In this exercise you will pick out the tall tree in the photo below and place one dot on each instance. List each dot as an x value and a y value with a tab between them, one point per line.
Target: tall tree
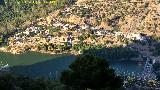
91	72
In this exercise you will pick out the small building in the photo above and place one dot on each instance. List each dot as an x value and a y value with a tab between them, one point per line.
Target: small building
83	27
140	37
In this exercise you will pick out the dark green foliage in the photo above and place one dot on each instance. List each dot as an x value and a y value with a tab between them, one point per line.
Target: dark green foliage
156	51
113	53
83	37
55	48
156	66
1	40
91	72
6	82
85	12
83	46
140	42
12	82
20	14
57	29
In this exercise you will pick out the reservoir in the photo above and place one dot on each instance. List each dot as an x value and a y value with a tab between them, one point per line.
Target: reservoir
36	64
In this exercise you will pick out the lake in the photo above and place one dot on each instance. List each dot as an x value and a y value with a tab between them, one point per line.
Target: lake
36	64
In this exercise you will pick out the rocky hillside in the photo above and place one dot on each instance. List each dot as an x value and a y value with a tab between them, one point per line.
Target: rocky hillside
124	15
90	23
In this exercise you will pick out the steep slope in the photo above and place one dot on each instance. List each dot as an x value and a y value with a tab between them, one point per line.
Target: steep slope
131	16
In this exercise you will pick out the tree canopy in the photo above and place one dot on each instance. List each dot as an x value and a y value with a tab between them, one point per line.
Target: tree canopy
14	82
91	72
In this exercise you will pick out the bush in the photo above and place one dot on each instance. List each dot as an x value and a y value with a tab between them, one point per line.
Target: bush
13	82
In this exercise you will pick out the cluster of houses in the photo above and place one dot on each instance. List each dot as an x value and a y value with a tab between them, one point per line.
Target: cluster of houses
55	30
132	36
39	34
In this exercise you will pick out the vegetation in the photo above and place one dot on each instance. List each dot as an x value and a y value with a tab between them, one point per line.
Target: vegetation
53	47
83	37
1	40
91	72
16	14
156	68
83	46
84	12
12	82
113	53
157	50
57	29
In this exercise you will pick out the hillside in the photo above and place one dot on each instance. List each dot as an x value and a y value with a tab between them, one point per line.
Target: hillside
130	16
117	30
82	25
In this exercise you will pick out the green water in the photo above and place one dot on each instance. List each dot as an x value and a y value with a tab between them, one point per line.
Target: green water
36	64
26	58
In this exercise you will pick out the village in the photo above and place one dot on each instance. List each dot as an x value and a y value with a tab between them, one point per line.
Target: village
44	38
64	29
84	24
61	35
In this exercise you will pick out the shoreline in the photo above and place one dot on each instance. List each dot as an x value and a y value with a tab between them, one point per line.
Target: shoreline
14	52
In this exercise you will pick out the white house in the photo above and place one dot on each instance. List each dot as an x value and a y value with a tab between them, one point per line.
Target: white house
139	37
84	27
